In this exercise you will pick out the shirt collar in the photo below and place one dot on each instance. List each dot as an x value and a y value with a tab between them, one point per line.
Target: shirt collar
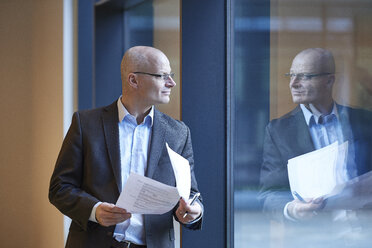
122	112
314	113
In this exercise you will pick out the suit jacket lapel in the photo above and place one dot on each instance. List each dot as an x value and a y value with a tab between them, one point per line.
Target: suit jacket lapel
110	121
303	142
157	143
344	121
355	133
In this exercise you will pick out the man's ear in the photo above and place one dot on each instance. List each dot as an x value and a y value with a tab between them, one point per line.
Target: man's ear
331	80
132	79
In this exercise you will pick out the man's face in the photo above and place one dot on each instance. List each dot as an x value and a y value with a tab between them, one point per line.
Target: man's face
306	90
156	90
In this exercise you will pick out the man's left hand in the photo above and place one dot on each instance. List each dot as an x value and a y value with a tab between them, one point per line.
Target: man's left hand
192	211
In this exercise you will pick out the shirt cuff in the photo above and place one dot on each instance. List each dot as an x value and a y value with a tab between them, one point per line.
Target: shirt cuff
92	216
199	217
286	215
196	220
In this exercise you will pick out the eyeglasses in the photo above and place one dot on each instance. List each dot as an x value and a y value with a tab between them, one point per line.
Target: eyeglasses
165	76
305	76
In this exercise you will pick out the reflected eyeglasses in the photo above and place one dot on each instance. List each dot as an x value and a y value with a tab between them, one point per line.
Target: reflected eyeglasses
164	76
305	76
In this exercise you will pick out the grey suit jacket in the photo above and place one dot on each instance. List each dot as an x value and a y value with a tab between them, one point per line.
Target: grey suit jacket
289	136
88	171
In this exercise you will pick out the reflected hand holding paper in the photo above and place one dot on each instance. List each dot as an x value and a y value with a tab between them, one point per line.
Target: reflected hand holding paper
305	209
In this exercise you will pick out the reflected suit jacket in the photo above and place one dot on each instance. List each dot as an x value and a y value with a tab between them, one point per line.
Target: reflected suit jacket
289	136
88	170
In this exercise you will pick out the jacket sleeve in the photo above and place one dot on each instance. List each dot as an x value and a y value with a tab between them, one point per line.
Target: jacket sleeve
274	184
65	190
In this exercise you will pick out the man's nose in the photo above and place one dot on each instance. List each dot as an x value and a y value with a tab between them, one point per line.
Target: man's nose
294	81
170	82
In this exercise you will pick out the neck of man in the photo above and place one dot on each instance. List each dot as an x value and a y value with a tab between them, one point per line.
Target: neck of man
135	108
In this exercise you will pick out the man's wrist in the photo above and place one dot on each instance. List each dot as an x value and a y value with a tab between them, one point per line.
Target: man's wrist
92	216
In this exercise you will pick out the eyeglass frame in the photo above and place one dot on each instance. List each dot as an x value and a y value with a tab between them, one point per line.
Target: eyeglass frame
165	76
306	76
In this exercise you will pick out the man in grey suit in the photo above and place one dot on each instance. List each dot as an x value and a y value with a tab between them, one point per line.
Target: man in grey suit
316	122
104	145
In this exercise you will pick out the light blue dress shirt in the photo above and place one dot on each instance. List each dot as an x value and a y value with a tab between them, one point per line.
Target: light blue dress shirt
327	129
134	142
324	129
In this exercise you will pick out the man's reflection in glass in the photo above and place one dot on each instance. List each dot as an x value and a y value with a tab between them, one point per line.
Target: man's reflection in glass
316	122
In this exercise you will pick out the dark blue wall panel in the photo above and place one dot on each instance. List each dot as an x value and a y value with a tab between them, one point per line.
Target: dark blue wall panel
86	75
204	111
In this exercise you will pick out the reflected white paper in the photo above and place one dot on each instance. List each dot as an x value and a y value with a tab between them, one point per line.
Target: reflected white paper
143	195
317	173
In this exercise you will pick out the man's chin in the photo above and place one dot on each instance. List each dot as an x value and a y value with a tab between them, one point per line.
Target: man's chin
163	101
298	100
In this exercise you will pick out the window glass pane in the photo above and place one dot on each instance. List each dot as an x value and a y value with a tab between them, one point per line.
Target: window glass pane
268	36
251	75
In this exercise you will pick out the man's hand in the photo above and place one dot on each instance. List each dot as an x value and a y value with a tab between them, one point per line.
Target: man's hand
108	214
304	210
193	211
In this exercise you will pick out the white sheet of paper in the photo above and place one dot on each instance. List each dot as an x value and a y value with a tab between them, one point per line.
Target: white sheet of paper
317	173
340	168
181	168
143	195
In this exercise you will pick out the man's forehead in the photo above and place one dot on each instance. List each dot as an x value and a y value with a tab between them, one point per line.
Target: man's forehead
158	63
305	64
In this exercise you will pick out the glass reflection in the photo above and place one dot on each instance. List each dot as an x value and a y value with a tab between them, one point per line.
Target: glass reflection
297	195
267	37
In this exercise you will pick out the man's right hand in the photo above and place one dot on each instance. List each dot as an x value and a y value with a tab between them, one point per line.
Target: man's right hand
304	210
108	214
